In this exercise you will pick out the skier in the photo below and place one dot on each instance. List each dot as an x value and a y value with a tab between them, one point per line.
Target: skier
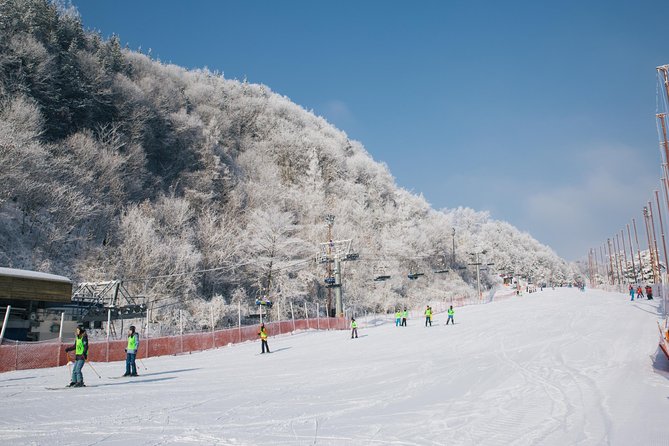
80	348
263	338
428	316
405	315
450	315
354	328
131	352
398	318
631	292
649	292
639	292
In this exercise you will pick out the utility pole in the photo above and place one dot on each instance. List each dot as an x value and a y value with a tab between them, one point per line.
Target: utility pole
654	236
650	244
642	277
329	220
608	243
477	263
629	237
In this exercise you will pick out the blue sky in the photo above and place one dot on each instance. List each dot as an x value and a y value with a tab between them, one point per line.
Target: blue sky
542	113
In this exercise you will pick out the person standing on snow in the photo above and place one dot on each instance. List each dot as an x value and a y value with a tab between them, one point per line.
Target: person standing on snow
398	318
631	292
428	316
131	352
263	338
639	292
450	315
405	315
649	292
354	328
80	348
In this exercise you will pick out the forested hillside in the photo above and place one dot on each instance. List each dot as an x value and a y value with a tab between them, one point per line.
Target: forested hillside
115	165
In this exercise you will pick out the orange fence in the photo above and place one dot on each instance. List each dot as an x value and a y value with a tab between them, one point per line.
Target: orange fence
18	355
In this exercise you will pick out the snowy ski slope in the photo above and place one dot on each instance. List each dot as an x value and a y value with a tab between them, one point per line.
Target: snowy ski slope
550	368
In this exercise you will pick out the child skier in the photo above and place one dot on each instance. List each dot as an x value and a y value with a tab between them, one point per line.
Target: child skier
80	348
649	292
639	292
428	316
131	352
450	315
398	318
354	328
405	315
263	338
631	292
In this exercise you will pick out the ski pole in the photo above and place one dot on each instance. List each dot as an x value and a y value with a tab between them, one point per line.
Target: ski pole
96	372
140	360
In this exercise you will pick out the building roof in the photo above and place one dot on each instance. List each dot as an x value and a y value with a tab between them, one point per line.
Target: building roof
33	275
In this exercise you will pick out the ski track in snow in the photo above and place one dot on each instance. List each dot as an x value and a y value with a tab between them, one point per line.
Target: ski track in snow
549	368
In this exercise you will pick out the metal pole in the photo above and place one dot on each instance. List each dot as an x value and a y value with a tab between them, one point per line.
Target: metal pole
181	330
292	314
239	320
338	301
306	314
608	244
4	323
478	276
629	238
657	252
622	237
650	244
211	315
60	330
453	253
318	317
260	309
638	251
108	327
616	246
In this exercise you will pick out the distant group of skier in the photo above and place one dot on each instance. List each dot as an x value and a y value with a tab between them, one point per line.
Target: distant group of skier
639	292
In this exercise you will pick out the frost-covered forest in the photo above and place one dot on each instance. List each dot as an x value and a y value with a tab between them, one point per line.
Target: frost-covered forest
115	165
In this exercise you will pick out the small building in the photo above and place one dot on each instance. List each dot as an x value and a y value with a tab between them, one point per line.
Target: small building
37	301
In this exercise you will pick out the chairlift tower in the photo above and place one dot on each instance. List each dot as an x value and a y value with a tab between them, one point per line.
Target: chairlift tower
333	252
478	263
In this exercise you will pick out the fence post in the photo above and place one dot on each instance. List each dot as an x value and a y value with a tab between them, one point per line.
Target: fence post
108	324
318	317
146	355
181	330
213	339
60	338
292	314
239	320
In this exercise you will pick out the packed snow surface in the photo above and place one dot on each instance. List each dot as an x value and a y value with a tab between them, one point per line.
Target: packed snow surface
559	367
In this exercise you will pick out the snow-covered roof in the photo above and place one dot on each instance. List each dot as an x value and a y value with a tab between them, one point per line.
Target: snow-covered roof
35	275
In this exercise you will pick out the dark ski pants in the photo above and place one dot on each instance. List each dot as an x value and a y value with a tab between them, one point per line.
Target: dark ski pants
450	318
264	346
130	366
77	376
354	331
428	320
404	322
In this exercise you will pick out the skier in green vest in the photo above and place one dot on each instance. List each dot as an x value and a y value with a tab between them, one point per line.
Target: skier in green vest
450	315
263	338
80	348
428	316
131	352
398	318
405	315
354	328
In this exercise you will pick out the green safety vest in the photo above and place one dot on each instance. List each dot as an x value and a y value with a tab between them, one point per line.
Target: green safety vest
263	334
451	312
405	314
354	324
79	350
397	315
132	342
428	312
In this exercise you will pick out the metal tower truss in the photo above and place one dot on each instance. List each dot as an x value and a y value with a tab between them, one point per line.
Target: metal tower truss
100	300
340	249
